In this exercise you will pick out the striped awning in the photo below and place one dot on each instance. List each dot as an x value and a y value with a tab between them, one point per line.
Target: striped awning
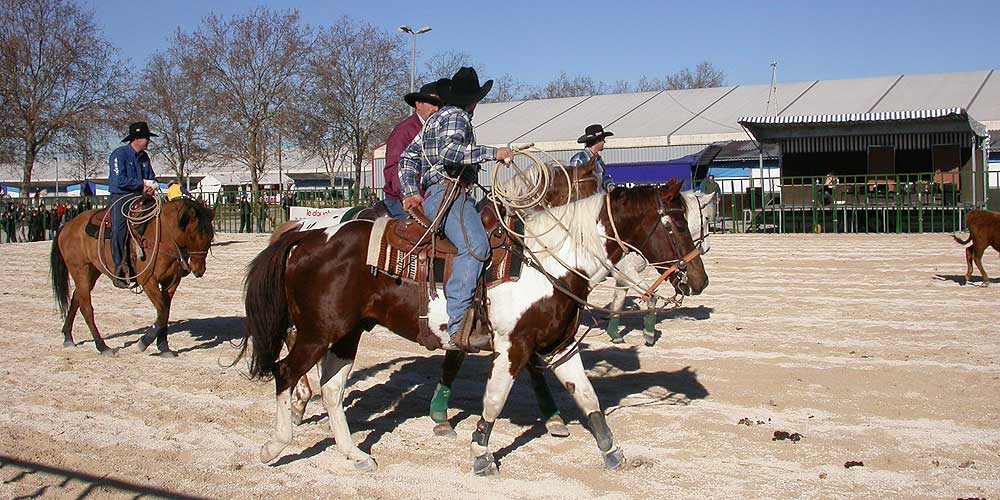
912	116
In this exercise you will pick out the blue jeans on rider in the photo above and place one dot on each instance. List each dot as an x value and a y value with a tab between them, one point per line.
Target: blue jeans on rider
119	228
461	285
395	208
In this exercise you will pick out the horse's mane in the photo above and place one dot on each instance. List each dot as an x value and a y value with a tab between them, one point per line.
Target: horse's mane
646	193
202	213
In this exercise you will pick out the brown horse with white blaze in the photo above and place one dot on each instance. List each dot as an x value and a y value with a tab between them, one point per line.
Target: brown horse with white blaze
319	282
185	234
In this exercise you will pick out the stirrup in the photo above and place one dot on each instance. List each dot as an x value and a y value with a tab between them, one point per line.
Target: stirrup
463	337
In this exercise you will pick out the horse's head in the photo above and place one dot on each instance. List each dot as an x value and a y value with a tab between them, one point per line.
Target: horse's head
188	227
572	184
700	213
656	222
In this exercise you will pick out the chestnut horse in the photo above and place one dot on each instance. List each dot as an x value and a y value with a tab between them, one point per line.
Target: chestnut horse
319	282
185	235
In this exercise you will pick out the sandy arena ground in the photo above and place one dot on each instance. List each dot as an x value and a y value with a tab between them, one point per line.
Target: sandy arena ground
868	346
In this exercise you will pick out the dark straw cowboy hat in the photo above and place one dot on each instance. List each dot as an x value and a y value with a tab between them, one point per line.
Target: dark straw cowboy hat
138	130
593	133
429	93
465	89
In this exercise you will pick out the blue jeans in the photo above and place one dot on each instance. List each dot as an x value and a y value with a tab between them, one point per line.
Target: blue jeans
395	208
119	228
461	285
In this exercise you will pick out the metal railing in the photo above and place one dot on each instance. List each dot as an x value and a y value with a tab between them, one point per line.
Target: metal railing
898	203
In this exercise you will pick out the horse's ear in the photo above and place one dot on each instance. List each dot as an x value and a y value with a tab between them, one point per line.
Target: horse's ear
672	190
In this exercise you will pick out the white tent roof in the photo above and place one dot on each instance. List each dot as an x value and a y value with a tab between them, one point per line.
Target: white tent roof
700	116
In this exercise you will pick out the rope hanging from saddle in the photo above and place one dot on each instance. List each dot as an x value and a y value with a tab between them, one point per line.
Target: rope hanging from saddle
133	218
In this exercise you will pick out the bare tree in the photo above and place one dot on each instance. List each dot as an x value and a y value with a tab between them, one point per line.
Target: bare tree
445	64
255	66
174	93
83	151
567	86
506	88
56	69
358	79
705	75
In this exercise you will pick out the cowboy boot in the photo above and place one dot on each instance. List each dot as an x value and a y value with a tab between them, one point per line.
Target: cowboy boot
462	340
118	277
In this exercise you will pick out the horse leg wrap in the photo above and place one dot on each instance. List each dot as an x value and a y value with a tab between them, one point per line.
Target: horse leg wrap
614	459
439	404
649	322
602	433
613	325
481	436
483	462
544	396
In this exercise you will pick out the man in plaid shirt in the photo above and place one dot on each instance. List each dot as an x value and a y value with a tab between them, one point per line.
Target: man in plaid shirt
447	144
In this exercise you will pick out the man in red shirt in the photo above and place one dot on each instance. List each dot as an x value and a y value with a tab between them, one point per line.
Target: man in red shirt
426	102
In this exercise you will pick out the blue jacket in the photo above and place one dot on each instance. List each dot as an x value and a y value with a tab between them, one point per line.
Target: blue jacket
127	170
600	171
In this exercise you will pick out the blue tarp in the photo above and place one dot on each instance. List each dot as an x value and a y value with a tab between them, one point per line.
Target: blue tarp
655	172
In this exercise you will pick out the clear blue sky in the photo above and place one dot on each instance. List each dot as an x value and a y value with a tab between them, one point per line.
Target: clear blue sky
624	39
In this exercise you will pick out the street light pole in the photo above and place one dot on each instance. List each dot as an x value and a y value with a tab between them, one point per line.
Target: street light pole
56	158
413	51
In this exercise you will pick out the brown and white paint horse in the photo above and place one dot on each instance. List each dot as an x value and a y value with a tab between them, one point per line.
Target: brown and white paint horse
319	282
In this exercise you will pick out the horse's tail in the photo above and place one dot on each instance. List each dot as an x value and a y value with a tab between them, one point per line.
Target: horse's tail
60	275
267	310
960	242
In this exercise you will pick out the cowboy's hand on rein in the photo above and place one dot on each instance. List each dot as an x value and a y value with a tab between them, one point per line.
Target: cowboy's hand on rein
413	201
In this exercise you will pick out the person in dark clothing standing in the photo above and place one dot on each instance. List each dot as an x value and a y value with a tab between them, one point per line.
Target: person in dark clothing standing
131	175
244	214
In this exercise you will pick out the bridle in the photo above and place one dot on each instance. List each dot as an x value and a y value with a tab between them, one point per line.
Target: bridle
665	217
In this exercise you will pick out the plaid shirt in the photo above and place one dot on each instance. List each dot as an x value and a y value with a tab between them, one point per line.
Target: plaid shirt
446	140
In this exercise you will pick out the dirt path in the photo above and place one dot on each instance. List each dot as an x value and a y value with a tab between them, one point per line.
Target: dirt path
865	345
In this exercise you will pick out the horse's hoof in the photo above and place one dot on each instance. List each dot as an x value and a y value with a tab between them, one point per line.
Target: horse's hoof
617	340
69	343
614	459
296	418
167	354
366	465
109	352
556	427
142	344
485	465
271	451
444	430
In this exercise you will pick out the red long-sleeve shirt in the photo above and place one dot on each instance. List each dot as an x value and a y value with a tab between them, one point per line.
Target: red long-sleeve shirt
402	135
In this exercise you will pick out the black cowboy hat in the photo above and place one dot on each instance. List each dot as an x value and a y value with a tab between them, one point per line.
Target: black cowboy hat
429	93
465	89
138	130
593	133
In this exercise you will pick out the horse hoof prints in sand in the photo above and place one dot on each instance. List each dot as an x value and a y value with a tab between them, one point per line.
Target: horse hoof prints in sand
319	282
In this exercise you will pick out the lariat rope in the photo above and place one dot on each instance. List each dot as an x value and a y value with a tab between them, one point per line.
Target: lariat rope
141	216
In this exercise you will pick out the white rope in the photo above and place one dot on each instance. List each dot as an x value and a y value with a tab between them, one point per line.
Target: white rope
142	215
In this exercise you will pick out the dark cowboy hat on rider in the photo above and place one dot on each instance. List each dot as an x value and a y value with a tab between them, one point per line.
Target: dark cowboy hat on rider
593	133
465	89
429	93
138	130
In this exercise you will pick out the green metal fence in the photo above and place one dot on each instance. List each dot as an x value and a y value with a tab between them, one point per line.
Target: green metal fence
900	203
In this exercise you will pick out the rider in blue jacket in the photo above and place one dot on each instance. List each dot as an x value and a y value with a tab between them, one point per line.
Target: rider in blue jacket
130	175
